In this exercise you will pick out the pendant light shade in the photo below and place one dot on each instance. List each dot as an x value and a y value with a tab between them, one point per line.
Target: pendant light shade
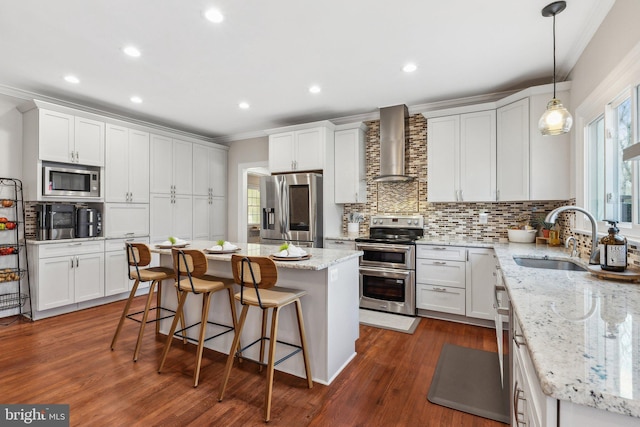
556	119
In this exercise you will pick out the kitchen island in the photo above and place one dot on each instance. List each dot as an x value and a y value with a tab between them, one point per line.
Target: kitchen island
330	308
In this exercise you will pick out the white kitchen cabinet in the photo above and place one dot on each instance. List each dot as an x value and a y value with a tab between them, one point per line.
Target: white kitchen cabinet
481	281
441	278
440	298
116	277
68	273
69	139
461	156
297	150
171	165
127	165
209	171
209	218
350	185
218	218
339	244
171	215
125	219
513	151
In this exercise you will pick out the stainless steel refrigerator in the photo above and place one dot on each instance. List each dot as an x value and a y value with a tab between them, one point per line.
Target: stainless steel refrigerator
291	206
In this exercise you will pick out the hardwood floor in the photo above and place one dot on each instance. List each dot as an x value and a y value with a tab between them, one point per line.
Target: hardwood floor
66	359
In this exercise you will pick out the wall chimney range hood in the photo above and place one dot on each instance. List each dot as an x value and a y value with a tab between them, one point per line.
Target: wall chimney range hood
393	135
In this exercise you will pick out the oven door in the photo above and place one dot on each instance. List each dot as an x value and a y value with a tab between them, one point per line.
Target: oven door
387	256
388	289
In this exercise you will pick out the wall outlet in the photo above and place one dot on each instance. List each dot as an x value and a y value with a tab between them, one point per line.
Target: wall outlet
484	218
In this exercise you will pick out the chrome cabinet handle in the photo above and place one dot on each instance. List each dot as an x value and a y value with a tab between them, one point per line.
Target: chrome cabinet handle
517	391
439	263
516	337
71	262
440	289
77	261
77	157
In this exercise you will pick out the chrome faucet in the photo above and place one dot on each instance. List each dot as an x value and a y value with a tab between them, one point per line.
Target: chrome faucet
594	257
570	240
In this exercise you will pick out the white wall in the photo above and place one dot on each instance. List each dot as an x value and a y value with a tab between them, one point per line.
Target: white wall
10	138
255	152
616	36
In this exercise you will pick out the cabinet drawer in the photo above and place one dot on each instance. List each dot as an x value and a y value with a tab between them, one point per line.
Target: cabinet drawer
440	298
70	248
443	273
118	244
339	244
447	253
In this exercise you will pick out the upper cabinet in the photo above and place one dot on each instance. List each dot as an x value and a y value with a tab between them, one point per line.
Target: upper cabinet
209	171
350	185
298	150
127	165
171	162
70	139
513	151
461	156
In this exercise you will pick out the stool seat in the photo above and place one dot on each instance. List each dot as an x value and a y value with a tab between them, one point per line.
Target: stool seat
273	297
152	273
204	284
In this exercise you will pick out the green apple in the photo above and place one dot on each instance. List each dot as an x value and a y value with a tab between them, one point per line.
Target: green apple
284	246
172	240
220	242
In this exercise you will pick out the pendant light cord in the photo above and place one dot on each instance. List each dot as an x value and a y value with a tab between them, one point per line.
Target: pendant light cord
554	55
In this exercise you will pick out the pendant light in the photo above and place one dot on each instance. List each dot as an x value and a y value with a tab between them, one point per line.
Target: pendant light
556	119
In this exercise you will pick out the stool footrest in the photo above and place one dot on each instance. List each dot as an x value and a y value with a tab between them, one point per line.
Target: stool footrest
180	333
130	315
297	350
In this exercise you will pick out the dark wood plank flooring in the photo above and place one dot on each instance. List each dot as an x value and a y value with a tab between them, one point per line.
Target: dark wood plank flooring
66	359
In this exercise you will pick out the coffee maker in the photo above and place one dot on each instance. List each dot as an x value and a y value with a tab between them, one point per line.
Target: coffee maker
88	222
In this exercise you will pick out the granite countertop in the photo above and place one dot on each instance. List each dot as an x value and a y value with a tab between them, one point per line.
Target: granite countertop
444	241
51	242
582	332
320	258
346	237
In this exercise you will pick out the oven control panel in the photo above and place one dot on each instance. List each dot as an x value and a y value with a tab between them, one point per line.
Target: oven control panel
397	221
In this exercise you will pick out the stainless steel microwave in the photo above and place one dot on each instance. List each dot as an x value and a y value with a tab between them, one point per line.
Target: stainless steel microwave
76	181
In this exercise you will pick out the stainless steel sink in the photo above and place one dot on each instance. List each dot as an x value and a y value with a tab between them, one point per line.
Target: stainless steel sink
551	264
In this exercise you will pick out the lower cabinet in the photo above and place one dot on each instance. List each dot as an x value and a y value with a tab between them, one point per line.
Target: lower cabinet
444	299
68	273
481	281
116	276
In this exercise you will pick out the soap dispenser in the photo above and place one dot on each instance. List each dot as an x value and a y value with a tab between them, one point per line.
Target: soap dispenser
613	249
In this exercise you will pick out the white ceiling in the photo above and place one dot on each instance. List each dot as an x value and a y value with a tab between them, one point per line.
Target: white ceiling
192	74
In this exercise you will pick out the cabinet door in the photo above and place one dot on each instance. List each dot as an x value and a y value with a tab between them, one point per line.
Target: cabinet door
478	156
182	165
161	158
89	141
117	164
481	282
218	218
441	273
443	152
281	152
56	136
347	166
183	217
138	166
201	184
201	209
126	219
309	149
513	151
161	213
440	298
218	172
116	280
89	276
55	282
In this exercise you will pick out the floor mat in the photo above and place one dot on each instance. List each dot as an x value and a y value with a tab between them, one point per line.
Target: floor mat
394	322
468	380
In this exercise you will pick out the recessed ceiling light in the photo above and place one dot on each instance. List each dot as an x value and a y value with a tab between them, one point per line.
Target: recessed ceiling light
136	100
409	68
72	79
314	89
131	51
244	105
214	15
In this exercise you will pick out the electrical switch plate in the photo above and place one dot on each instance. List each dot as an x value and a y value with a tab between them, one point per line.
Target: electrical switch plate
484	218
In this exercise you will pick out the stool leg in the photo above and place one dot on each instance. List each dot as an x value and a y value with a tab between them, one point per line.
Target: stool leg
124	313
145	317
303	342
167	346
232	351
182	322
263	336
272	356
206	302
234	316
158	305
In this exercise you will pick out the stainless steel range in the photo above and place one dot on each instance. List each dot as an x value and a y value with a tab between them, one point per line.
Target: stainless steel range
387	268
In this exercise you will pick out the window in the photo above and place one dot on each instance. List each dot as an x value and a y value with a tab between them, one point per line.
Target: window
253	205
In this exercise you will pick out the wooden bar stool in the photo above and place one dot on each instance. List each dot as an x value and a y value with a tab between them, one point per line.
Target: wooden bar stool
257	277
138	256
190	266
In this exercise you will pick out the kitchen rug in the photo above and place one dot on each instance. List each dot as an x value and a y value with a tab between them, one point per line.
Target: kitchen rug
468	380
394	322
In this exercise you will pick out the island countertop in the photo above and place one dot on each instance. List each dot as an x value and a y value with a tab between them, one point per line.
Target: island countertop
321	259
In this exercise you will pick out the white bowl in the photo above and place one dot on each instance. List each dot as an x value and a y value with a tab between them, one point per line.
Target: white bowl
522	236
